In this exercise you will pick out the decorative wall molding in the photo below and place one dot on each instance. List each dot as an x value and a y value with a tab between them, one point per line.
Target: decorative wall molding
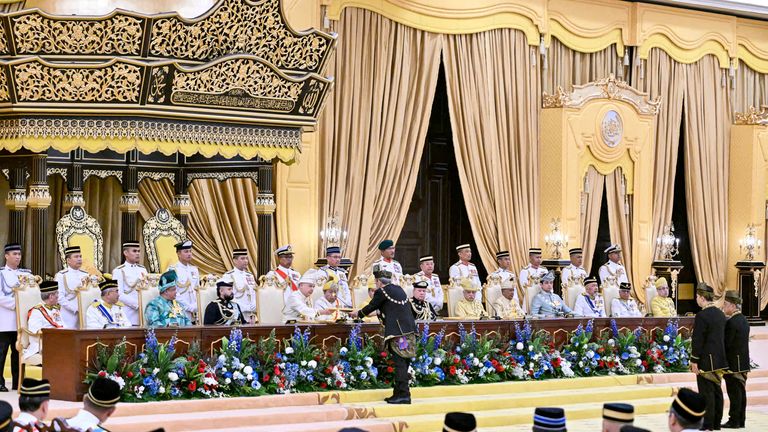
16	199
103	174
60	171
753	116
607	88
156	176
223	175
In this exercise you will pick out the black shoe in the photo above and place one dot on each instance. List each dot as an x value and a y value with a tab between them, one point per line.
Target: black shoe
3	388
729	425
386	399
401	400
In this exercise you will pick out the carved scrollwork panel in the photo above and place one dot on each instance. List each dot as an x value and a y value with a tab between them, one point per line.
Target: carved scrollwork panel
78	222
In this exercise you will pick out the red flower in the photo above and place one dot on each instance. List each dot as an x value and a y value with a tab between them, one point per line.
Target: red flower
390	369
645	364
323	385
205	387
338	383
384	354
456	360
142	371
202	363
328	370
277	370
530	372
556	362
329	354
192	386
200	369
129	374
102	374
190	358
601	350
452	370
601	363
266	378
494	362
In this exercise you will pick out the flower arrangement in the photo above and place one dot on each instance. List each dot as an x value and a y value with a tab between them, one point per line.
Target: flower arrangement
245	367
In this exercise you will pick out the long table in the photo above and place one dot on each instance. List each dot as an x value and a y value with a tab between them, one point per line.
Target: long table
68	353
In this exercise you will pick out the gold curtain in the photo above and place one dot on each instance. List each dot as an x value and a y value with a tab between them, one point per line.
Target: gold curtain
566	67
494	100
751	89
592	200
374	127
707	136
665	78
223	218
102	202
620	225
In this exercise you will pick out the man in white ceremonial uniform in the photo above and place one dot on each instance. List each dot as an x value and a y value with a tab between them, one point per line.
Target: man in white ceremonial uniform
387	261
333	271
613	272
625	306
299	306
590	303
108	312
465	269
435	295
187	279
530	275
44	315
284	273
9	279
70	280
128	276
572	277
243	284
505	273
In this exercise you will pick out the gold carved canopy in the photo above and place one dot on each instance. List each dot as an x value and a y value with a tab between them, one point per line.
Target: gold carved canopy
235	81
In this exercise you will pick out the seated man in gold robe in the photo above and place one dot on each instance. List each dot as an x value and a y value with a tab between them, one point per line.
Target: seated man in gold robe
330	302
469	308
662	305
507	306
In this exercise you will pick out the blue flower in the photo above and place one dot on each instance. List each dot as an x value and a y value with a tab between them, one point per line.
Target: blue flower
624	355
614	328
150	341
235	339
175	392
147	381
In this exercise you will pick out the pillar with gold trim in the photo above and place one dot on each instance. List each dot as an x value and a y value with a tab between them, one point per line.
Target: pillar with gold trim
606	125
747	195
39	199
265	208
16	202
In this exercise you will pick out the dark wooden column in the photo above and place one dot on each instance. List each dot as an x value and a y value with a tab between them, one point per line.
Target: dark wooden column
182	205
265	207
129	205
39	199
17	204
75	183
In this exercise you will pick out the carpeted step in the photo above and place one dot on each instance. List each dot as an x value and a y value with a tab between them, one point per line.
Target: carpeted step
512	387
192	421
184	406
514	416
485	402
369	425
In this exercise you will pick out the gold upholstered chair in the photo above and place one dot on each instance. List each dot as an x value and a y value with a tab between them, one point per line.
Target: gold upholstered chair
86	295
147	289
455	295
491	292
161	233
77	228
269	299
205	293
26	296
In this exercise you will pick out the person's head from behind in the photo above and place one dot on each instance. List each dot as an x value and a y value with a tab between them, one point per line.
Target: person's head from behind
687	411
34	396
549	420
459	422
102	398
617	415
705	294
49	293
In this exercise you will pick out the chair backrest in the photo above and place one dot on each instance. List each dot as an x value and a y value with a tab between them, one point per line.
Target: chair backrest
77	228
85	296
455	295
610	292
491	292
406	281
205	292
147	290
359	286
530	293
269	300
571	293
26	295
161	232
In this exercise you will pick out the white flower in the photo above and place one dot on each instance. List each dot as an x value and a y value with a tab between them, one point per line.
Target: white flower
666	338
140	390
303	363
530	365
368	362
237	375
475	361
343	351
155	371
248	370
363	375
312	364
530	347
173	376
638	362
161	390
519	346
590	353
536	357
222	358
611	342
288	350
437	361
118	380
249	377
227	380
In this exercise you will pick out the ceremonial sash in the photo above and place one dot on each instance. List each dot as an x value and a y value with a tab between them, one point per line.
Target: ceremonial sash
589	302
47	317
105	312
286	278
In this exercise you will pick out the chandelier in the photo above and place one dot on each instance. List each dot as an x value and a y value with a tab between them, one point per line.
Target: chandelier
667	244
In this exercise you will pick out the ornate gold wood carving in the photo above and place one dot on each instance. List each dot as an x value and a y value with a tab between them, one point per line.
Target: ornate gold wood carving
78	222
753	116
606	88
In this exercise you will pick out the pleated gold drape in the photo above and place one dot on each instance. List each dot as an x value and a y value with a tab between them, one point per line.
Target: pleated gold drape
566	67
620	224
592	200
374	127
493	99
223	218
707	137
751	89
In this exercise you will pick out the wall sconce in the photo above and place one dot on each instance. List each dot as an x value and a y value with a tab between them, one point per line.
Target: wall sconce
667	244
750	244
332	234
556	241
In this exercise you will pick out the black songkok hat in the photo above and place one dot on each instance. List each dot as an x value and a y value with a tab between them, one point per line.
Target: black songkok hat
459	422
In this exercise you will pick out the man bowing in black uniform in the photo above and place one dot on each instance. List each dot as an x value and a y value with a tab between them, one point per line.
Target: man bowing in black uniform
223	311
708	360
399	329
737	351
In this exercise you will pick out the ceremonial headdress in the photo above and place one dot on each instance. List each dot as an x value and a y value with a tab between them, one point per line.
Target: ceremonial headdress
182	245
534	251
462	246
386	244
689	405
332	250
502	254
420	284
48	286
167	280
379	273
69	250
590	280
612	248
703	288
310	277
468	284
625	286
549	277
108	283
507	284
6	412
459	422
549	420
239	252
733	297
661	282
35	388
10	247
131	244
426	258
619	412
284	250
104	392
575	251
